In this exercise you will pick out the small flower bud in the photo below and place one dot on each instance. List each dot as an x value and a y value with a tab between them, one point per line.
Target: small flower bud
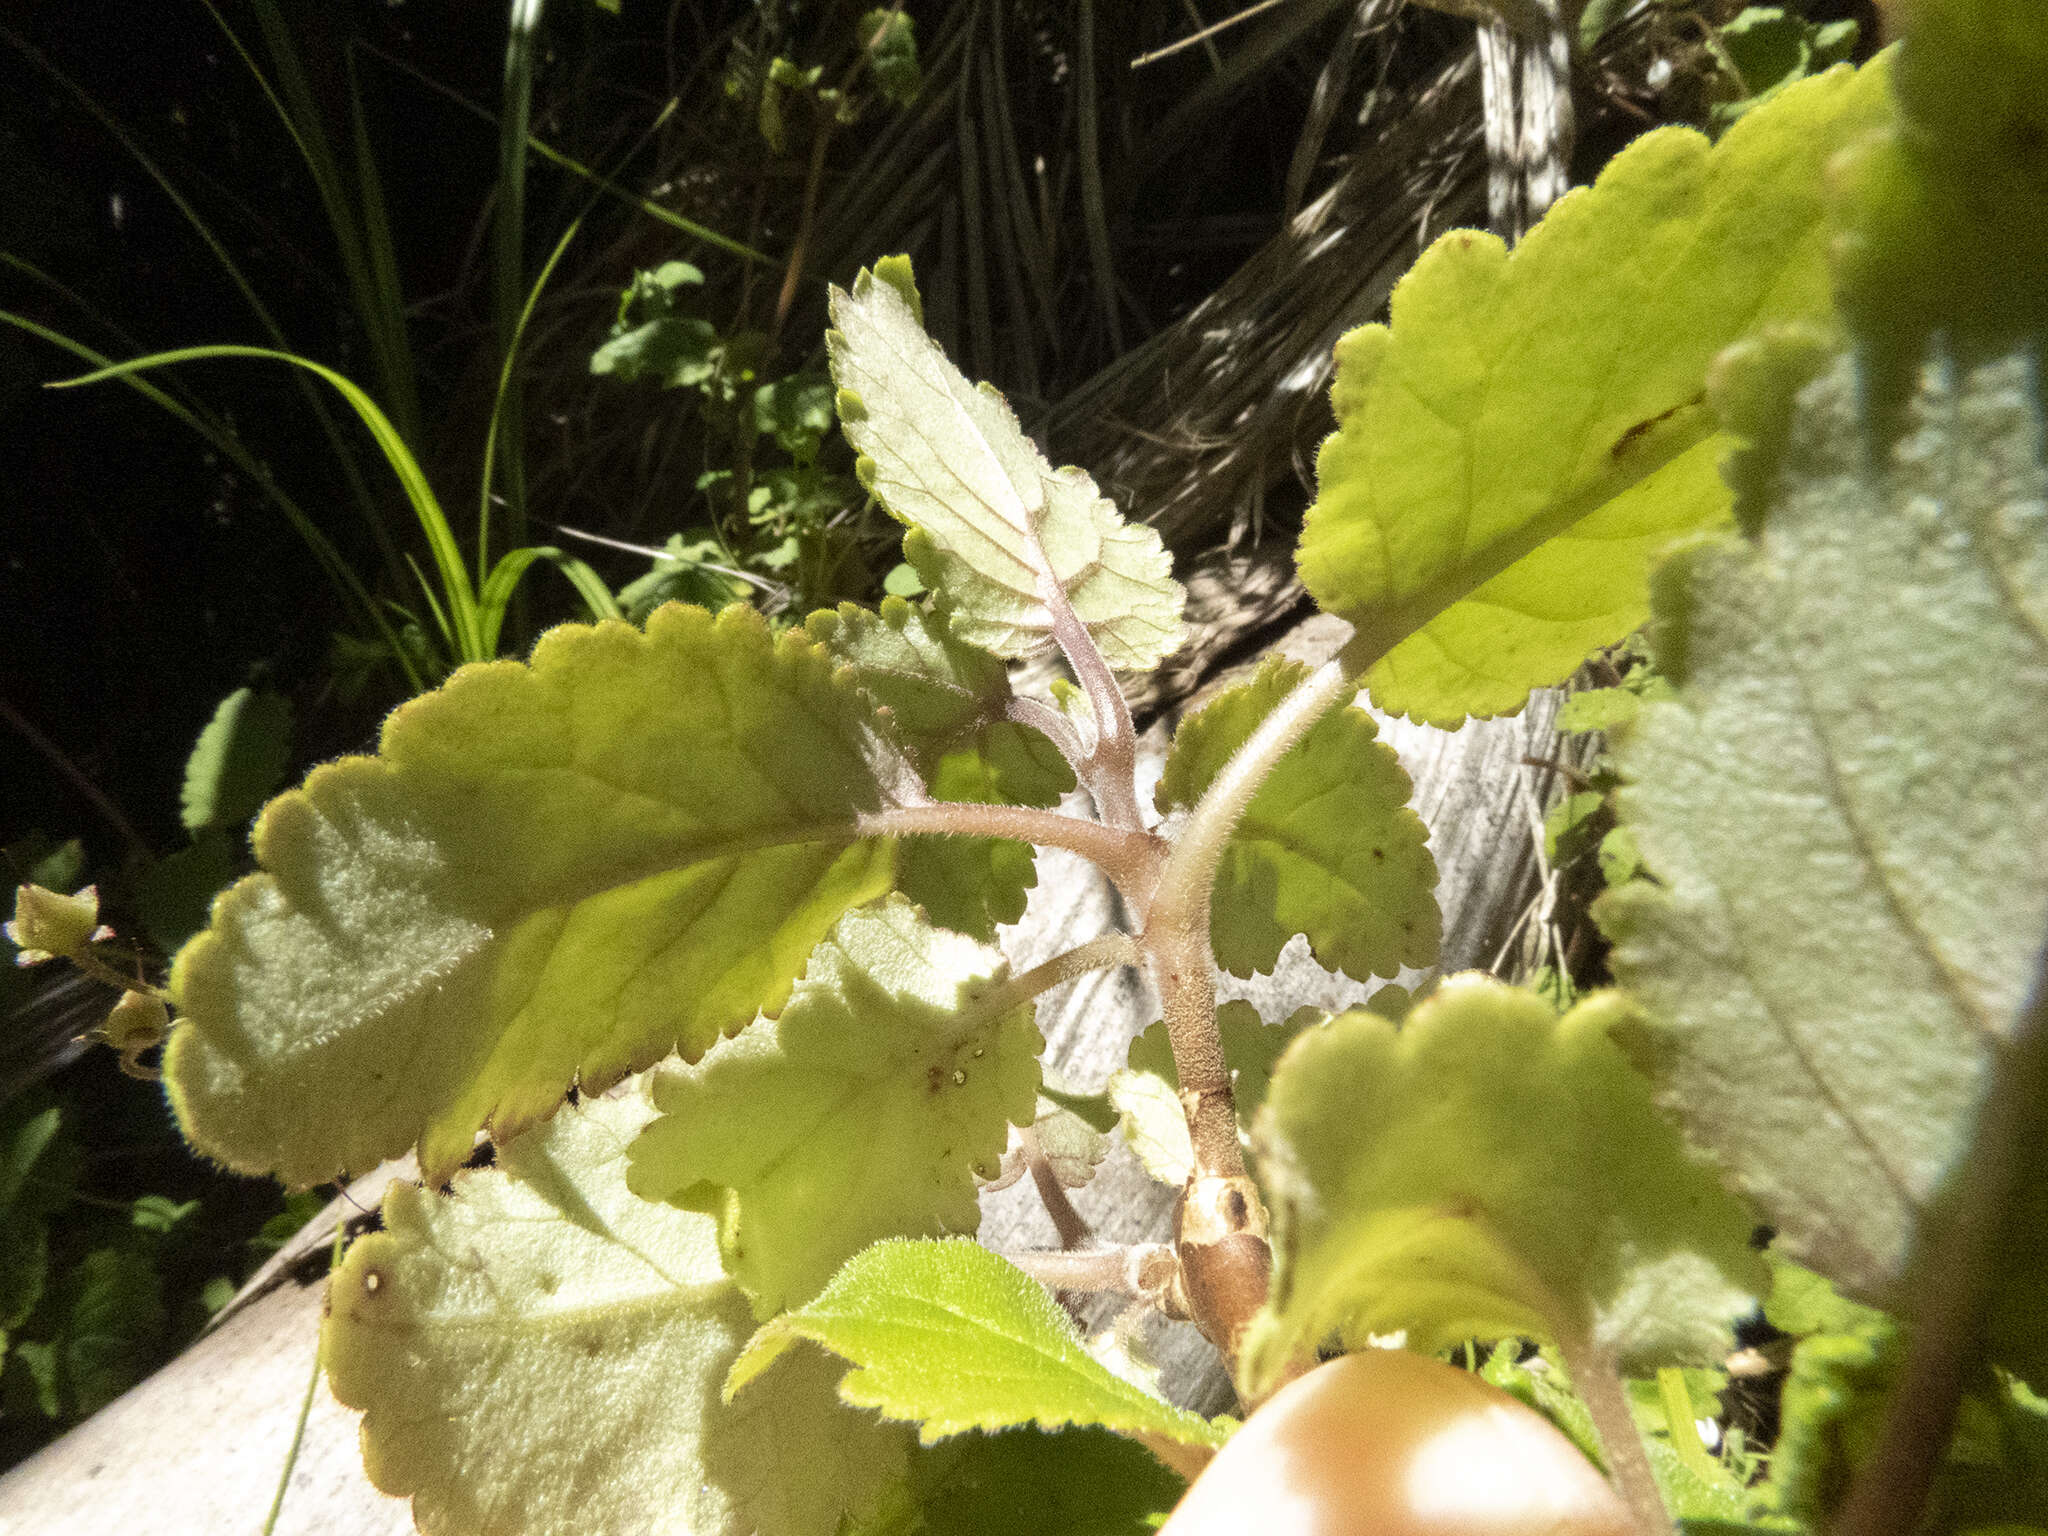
47	925
139	1020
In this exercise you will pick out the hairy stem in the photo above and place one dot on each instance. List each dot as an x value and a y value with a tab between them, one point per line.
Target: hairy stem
1226	1259
1072	1227
1190	872
1130	858
1111	770
1600	1388
1098	954
1891	1486
1042	717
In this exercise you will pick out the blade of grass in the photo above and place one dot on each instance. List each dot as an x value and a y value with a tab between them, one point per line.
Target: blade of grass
506	373
440	615
507	573
387	547
1094	215
508	246
464	633
336	569
363	241
386	318
577	168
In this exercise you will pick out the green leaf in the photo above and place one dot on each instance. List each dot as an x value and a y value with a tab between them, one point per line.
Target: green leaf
239	759
894	1072
948	700
551	874
1598	709
1530	433
682	574
889	38
990	520
953	1337
1154	1125
796	412
1769	48
1488	1170
674	351
113	1329
1845	810
40	1161
174	894
1945	216
541	1350
1025	1482
1328	846
1992	1476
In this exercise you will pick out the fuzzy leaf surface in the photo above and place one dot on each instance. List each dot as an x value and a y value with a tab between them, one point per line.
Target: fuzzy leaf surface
993	526
1530	432
949	702
1846	806
894	1072
541	1351
550	874
1488	1170
953	1337
1328	846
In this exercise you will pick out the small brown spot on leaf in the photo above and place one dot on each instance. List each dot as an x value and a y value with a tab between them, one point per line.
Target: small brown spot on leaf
1628	439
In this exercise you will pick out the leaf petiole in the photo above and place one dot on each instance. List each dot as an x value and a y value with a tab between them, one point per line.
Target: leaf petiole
1132	859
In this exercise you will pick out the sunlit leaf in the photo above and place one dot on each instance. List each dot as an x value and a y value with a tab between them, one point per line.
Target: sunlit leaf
540	1350
1530	432
894	1072
239	759
952	1337
1488	1170
992	523
551	874
1328	846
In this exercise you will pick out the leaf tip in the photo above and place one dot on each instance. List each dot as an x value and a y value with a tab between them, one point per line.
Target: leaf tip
895	271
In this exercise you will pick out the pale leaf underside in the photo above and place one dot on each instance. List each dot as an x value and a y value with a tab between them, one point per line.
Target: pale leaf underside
541	1351
862	1113
1847	808
552	873
994	527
